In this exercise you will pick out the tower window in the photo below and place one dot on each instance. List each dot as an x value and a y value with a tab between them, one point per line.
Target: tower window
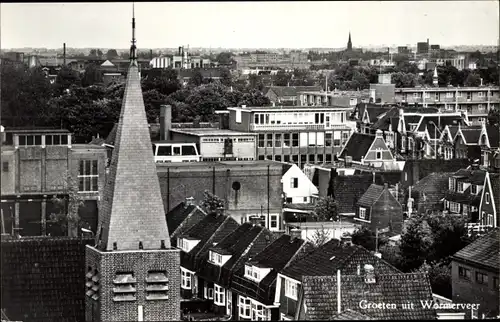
124	287
157	286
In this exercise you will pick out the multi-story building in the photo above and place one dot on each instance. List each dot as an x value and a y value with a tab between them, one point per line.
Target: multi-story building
287	95
182	60
464	192
347	99
293	133
40	164
290	61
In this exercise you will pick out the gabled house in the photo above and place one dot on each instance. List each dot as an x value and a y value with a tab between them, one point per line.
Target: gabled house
379	210
323	261
490	148
466	143
333	297
195	244
182	218
254	285
225	258
368	115
369	150
475	273
447	142
428	194
489	206
417	169
297	187
464	192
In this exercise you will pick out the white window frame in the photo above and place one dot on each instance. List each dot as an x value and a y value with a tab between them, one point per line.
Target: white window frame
292	183
473	189
290	289
238	116
88	178
377	151
283	317
186	279
489	220
208	293
244	305
449	94
256	313
487	197
362	213
460	186
454	207
274	219
219	295
451	184
216	258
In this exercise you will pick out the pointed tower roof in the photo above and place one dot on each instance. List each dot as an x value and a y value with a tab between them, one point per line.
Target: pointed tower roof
132	212
435	75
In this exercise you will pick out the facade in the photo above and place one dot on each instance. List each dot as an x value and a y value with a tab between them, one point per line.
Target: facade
297	187
379	210
261	60
254	285
131	272
489	141
427	194
287	95
294	134
346	99
466	143
489	205
248	188
464	192
415	170
474	275
383	91
39	164
217	268
182	218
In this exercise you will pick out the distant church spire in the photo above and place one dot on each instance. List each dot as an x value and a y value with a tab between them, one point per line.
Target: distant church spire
133	48
349	43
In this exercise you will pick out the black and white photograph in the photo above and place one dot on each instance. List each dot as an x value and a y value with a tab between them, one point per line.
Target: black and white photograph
249	161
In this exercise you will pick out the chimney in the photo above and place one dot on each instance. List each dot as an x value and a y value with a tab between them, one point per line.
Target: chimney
481	82
379	255
295	233
378	134
219	211
165	122
188	202
64	54
386	185
369	274
346	240
151	54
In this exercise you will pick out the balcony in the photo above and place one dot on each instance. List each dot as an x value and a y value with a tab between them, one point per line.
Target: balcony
297	127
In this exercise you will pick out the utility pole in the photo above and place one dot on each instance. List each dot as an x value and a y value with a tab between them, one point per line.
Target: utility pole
376	240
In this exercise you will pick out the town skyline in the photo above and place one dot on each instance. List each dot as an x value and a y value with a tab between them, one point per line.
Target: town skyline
433	19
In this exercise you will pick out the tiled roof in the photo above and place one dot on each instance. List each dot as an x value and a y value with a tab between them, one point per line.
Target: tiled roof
371	195
334	255
320	295
282	91
484	251
495	187
211	229
471	134
375	112
428	166
42	278
132	213
275	256
493	135
357	146
179	213
350	315
286	167
433	187
97	141
441	121
471	176
243	243
349	189
384	123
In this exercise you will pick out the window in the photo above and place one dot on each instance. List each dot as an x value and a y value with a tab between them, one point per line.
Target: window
5	166
480	94
487	197
489	220
274	222
277	158
261	157
328	139
345	137
305	199
495	283
451	184
176	150
261	140
219	295
311	158
269	141
244	307
436	96
460	186
328	158
277	140
286	158
454	207
124	287
449	95
256	119
185	279
28	140
294	182
464	273
209	293
290	289
88	176
362	213
215	258
378	154
480	106
481	278
56	139
295	139
286	140
258	312
295	158
469	95
319	158
238	116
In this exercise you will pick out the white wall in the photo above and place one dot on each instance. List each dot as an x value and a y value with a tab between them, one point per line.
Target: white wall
333	232
305	187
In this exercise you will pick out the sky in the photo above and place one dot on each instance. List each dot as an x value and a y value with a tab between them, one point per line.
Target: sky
294	24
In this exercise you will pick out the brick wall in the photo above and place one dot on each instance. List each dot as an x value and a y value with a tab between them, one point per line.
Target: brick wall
8	174
140	263
469	291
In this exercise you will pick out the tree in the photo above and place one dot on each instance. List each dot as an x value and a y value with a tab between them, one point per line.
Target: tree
416	243
211	202
472	80
66	77
111	54
224	58
401	79
282	78
320	237
92	75
254	98
226	78
152	101
368	239
494	117
196	79
326	209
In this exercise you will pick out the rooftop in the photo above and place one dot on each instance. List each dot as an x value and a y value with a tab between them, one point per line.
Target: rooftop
290	108
211	132
484	251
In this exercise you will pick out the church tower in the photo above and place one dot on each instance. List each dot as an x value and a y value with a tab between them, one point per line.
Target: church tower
435	77
349	43
132	272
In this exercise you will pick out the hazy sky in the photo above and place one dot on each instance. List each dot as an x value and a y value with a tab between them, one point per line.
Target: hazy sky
249	24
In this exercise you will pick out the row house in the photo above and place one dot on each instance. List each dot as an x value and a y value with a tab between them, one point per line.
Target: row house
476	102
294	134
466	143
224	259
428	193
41	168
464	192
367	115
254	285
489	205
182	218
489	141
323	261
475	273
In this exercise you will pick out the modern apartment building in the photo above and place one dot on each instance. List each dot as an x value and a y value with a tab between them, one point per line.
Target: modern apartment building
294	133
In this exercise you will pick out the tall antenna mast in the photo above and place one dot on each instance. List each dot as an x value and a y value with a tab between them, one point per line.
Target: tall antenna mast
133	49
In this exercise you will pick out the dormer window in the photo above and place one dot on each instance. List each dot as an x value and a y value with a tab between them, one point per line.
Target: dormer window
256	273
473	189
218	259
291	289
460	186
187	244
451	184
